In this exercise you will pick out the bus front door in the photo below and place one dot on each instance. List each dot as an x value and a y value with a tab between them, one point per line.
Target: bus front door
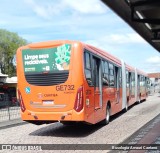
97	88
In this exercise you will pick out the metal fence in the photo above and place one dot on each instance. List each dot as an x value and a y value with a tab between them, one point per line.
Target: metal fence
9	113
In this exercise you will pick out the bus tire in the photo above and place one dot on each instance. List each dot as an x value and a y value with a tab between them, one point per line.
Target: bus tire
139	101
126	107
107	119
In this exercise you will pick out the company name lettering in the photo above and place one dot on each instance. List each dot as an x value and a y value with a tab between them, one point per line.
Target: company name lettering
50	95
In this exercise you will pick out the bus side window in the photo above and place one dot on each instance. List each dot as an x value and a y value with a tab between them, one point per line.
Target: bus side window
105	73
88	72
133	79
141	80
127	79
111	75
120	77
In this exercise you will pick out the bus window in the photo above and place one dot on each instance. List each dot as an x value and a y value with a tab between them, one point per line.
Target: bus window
111	69
87	61
106	67
133	79
96	72
120	77
46	66
105	73
141	81
133	83
88	68
111	75
127	79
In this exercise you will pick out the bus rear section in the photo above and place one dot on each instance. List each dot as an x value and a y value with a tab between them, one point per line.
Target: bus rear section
50	82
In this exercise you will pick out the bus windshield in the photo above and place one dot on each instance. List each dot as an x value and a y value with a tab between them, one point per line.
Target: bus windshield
46	59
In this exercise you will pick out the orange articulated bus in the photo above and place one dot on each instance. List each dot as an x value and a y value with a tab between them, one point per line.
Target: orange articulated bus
71	81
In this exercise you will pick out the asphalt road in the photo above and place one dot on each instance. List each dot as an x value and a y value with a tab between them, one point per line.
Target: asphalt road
119	129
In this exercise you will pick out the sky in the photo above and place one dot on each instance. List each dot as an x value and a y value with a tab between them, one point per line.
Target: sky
89	21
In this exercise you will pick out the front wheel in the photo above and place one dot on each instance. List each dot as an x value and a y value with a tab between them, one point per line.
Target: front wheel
107	119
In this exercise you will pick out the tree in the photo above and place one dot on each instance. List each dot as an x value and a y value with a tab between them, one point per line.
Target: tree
9	43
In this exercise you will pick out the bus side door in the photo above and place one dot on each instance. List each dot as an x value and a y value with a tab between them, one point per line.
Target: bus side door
97	83
97	71
118	91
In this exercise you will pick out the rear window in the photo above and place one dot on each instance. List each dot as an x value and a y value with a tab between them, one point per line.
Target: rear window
47	59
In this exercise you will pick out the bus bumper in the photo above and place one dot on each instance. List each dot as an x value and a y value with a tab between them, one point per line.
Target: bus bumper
71	115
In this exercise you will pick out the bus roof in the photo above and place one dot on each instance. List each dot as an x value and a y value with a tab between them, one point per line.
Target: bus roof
95	50
47	43
141	72
130	68
103	53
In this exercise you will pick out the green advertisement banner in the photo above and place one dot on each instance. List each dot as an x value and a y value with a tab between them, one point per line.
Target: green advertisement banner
49	59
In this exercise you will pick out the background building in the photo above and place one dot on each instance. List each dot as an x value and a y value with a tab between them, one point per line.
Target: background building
155	81
8	90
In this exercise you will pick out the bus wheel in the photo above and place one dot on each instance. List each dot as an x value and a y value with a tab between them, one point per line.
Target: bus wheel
126	107
139	101
107	119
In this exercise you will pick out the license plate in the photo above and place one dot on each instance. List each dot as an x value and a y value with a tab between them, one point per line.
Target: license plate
48	102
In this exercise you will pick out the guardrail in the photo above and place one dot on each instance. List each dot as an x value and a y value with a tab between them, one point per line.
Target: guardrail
9	112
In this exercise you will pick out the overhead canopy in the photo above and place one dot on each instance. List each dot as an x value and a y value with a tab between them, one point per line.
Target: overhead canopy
141	15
